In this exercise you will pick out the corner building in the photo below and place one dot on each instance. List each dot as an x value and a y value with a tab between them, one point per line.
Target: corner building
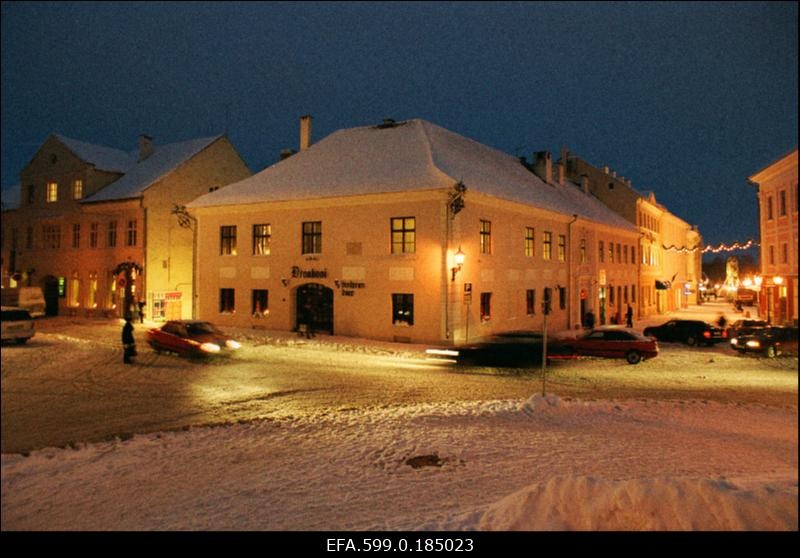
362	233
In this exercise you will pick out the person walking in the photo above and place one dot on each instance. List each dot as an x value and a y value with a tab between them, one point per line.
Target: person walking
141	305
128	341
590	319
629	317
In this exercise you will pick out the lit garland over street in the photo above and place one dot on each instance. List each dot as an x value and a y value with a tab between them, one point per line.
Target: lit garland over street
714	249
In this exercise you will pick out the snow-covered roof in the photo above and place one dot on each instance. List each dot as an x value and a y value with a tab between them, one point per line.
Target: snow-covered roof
103	158
141	175
409	156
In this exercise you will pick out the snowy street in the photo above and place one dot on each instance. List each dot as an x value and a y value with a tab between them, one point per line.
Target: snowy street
332	434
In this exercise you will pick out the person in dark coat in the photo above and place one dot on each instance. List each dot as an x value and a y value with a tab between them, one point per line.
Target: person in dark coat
128	341
629	317
590	319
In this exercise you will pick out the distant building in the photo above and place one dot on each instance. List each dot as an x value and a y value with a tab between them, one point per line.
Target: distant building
668	250
777	201
94	225
361	233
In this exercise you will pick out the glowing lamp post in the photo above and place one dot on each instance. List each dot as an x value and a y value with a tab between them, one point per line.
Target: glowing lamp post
758	280
458	259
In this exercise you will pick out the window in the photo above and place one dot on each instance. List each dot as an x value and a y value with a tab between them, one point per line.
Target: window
29	238
611	252
261	239
404	235
548	300
132	233
52	191
611	294
625	293
486	306
782	203
91	298
486	237
312	237
74	289
111	293
93	230
530	244
260	306
112	234
772	255
31	193
633	255
227	299
619	252
583	250
625	252
227	240
562	248
633	293
784	253
769	208
76	235
562	297
77	189
601	251
402	309
530	302
51	237
547	246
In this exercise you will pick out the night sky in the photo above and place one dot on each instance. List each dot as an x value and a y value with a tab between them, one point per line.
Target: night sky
685	99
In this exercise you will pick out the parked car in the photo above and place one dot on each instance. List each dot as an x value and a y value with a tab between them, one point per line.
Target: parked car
690	332
190	338
29	298
768	341
610	343
509	349
740	327
17	324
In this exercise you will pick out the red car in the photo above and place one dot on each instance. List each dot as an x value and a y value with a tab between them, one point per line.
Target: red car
610	343
190	338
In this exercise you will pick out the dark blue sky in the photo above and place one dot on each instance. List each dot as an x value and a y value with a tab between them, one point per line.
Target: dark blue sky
685	99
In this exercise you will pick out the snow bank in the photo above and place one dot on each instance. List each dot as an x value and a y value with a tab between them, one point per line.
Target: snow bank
585	503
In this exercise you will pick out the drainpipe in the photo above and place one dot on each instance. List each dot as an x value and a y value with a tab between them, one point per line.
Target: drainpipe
570	272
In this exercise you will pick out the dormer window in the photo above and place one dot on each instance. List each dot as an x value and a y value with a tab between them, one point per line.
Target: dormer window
52	191
77	189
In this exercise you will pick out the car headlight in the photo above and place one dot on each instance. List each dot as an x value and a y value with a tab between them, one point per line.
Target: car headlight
734	341
231	344
754	344
210	347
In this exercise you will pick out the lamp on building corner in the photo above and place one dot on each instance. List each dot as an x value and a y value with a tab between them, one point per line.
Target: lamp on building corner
458	259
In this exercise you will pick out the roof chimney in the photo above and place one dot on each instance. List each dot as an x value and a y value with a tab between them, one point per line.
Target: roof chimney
145	147
561	170
585	183
543	165
305	132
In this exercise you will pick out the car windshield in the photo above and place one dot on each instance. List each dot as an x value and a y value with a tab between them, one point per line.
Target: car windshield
201	327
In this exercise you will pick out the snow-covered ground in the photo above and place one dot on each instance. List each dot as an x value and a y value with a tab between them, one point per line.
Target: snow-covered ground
540	463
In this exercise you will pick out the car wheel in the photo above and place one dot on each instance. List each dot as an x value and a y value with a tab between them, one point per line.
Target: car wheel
633	357
691	341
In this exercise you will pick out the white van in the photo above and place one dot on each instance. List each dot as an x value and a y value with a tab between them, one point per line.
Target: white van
29	298
16	324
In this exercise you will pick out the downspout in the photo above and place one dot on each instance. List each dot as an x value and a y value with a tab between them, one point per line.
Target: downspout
570	272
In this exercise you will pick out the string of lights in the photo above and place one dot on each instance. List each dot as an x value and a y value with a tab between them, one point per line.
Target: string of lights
721	247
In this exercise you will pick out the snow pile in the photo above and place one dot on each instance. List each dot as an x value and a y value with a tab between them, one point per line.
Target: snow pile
585	503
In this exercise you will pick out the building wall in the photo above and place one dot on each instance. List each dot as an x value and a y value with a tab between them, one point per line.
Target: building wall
357	264
169	246
778	228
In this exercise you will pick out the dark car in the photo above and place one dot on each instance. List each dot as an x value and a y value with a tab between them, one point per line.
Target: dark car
690	332
190	338
610	343
740	327
17	324
768	341
509	349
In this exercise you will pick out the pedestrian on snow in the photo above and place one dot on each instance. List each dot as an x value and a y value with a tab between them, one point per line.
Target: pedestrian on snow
722	322
629	317
128	341
141	311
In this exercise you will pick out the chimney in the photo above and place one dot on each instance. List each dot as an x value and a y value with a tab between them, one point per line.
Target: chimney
561	170
605	170
305	132
585	183
543	165
145	147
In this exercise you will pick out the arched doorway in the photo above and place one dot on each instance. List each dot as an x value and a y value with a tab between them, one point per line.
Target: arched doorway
314	305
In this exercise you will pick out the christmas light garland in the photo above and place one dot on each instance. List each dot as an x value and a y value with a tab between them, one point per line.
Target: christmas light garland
721	247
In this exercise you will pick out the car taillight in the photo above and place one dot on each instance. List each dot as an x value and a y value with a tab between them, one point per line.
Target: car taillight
707	334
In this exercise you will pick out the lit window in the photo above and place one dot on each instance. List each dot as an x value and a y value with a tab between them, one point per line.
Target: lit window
562	248
77	189
486	306
227	240
52	191
404	235
74	289
402	309
261	239
530	243
260	303
547	247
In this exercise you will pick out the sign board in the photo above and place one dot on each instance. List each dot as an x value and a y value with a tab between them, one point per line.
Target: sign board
467	293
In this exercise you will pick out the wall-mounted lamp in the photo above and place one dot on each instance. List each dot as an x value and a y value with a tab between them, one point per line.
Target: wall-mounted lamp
458	259
778	280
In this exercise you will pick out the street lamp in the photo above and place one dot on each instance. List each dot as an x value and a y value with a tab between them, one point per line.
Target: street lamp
458	259
758	280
